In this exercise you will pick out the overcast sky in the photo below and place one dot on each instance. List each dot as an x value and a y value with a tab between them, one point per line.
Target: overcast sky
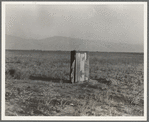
114	23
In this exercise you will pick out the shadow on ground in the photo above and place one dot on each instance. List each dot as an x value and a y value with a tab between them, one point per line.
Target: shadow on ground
49	79
103	80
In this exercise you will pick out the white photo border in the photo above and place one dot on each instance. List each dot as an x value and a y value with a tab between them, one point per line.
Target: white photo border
86	118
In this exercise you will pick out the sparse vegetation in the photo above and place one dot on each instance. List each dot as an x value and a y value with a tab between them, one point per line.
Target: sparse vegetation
37	84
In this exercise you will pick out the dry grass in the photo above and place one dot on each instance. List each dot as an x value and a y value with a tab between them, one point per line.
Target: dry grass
37	85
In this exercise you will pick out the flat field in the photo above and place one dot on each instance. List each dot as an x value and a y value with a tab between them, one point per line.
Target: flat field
37	84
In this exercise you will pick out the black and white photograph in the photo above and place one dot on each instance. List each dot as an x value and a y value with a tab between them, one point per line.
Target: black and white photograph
74	61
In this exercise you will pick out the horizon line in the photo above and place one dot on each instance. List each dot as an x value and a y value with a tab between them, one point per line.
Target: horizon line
68	51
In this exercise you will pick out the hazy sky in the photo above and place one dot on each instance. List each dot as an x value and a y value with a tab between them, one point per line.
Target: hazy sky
114	23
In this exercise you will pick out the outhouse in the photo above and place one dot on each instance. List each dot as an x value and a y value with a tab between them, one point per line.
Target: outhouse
79	68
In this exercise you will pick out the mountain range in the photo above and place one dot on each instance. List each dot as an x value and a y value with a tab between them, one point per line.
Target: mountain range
68	44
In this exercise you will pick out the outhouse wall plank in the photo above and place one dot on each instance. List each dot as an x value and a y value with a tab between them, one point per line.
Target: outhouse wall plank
77	67
87	67
82	61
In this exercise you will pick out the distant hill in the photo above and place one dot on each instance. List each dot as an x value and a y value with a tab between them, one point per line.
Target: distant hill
68	44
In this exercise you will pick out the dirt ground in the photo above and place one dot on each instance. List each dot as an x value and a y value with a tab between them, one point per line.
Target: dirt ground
37	84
